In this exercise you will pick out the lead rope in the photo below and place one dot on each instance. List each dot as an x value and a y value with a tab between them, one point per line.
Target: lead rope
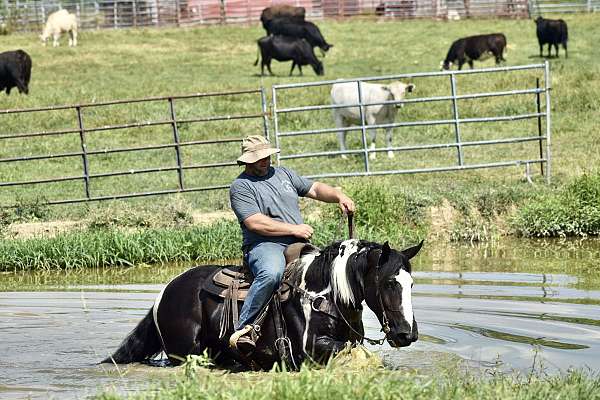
351	225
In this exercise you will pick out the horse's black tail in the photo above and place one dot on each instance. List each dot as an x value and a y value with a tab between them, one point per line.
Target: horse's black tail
141	343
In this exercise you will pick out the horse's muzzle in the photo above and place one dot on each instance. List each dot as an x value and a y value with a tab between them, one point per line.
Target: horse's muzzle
402	340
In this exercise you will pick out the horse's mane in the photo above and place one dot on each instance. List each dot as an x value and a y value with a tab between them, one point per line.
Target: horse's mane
342	272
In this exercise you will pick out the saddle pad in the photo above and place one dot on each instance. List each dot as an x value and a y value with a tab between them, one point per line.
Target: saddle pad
226	275
218	283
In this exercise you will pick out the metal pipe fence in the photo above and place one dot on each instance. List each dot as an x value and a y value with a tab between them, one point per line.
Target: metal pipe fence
533	109
186	134
161	145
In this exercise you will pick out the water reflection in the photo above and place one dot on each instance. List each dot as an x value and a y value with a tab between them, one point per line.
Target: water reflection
486	308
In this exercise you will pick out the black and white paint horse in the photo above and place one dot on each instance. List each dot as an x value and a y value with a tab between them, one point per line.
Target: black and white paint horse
324	311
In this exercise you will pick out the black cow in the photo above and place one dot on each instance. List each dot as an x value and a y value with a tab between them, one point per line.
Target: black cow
15	71
553	32
285	48
279	11
472	48
299	29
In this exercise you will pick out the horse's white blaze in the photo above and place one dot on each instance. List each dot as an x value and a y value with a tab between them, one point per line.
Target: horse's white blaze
339	278
406	281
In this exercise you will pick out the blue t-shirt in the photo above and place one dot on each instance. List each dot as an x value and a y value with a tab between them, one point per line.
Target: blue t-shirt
274	195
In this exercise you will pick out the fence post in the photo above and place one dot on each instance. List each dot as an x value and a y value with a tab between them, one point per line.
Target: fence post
547	88
115	10
265	111
222	10
134	10
177	13
97	14
456	122
176	140
539	121
86	174
275	121
363	127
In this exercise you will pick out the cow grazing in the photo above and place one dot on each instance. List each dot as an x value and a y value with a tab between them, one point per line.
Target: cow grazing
472	48
552	32
301	30
346	93
285	48
15	71
57	23
281	11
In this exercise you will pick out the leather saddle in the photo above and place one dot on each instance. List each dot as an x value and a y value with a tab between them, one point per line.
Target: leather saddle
235	281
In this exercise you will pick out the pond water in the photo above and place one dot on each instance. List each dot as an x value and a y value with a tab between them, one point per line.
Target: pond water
508	307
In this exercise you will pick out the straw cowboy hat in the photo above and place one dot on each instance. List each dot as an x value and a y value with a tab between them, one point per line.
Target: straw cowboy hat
254	148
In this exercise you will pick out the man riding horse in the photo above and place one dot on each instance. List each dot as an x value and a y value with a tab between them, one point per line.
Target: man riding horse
265	201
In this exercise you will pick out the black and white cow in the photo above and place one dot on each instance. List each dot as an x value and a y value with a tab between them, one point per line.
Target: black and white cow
552	32
479	47
299	29
15	71
285	48
281	11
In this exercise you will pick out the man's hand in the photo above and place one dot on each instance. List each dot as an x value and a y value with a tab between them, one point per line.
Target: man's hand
302	231
346	204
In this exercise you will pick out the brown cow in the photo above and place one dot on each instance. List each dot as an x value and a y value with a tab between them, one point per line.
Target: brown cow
281	11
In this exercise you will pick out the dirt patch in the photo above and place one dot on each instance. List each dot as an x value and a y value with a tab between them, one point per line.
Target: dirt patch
206	218
52	228
48	228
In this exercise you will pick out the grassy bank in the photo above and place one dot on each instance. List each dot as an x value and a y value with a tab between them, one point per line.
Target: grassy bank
402	216
372	383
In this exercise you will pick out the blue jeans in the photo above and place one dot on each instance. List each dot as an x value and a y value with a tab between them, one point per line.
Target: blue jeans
267	263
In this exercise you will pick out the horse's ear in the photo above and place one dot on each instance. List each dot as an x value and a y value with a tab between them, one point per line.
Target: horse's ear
412	251
385	253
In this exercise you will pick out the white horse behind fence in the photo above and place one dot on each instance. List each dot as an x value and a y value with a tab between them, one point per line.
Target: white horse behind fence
59	22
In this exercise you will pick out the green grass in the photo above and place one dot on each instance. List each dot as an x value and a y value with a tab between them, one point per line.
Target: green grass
138	63
335	382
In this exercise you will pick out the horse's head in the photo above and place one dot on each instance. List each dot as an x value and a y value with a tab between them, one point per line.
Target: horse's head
388	286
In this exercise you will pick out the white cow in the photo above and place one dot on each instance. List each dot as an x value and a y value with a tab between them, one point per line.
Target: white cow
59	22
347	93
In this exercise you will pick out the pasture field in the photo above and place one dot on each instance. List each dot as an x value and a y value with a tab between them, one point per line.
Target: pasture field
110	65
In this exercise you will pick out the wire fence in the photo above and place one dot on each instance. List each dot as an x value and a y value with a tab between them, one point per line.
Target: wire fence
28	15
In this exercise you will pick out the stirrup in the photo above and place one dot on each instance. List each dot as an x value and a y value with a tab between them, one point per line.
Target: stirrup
238	336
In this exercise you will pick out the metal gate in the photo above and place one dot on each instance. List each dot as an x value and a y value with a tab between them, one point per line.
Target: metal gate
162	145
446	128
179	144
